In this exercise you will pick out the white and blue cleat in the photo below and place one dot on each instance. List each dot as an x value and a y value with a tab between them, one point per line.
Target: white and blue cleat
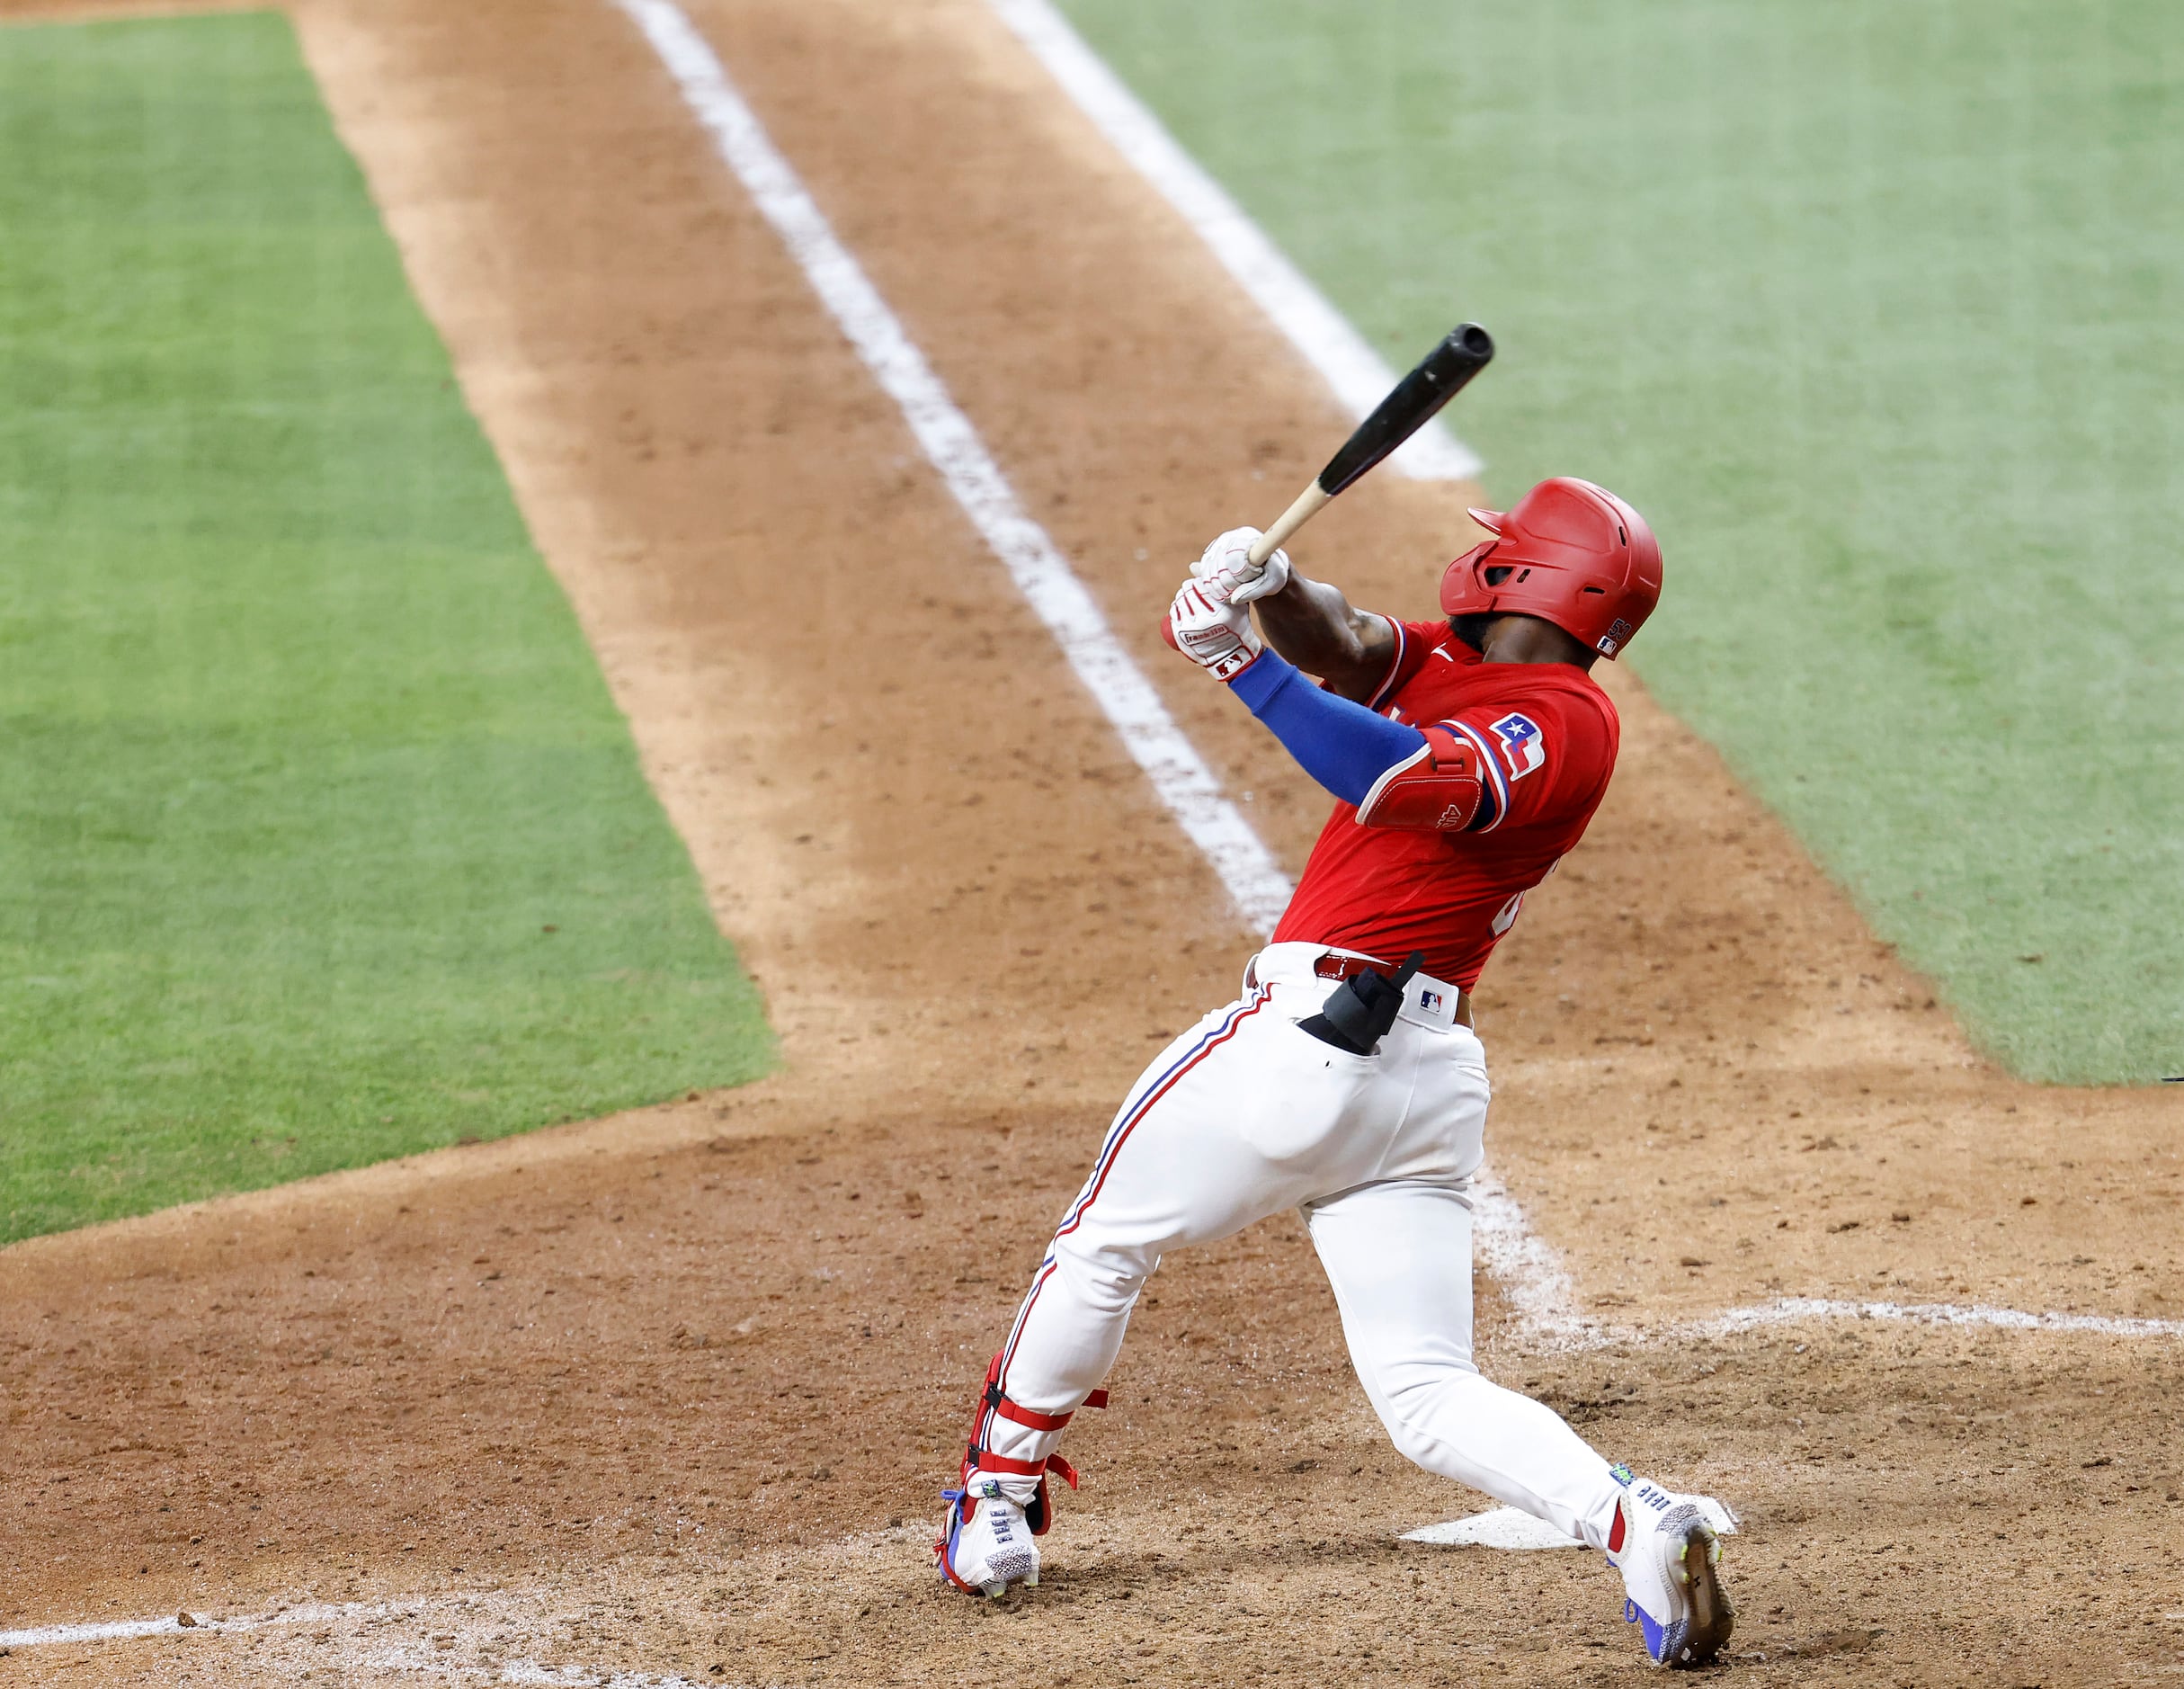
989	1544
1670	1562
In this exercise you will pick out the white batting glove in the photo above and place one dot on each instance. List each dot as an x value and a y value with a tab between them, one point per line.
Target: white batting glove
1229	575
1217	637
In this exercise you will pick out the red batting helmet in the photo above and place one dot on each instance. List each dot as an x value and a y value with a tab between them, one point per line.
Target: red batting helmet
1568	552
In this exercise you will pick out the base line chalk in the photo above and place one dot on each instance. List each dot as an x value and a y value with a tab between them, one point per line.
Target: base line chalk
130	1629
1185	784
1571	1331
1789	1309
1525	1265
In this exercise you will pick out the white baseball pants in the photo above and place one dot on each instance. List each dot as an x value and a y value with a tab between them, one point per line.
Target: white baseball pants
1245	1115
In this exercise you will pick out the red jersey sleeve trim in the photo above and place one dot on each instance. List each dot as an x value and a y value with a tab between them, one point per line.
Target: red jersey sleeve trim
1499	786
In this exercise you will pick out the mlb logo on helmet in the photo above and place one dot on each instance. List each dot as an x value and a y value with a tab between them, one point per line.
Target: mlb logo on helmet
1521	746
1612	640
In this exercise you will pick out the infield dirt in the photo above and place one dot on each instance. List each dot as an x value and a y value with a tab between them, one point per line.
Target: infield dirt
681	1385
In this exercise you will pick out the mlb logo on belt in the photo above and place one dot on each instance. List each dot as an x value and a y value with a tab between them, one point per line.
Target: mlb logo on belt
1429	1001
1521	747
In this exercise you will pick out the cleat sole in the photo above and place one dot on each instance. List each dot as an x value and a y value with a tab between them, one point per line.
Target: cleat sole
1713	1615
1014	1566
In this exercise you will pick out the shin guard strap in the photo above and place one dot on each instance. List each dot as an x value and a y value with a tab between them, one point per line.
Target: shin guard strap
981	1461
1009	1408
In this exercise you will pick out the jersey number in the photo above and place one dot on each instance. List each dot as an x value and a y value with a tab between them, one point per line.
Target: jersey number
1506	915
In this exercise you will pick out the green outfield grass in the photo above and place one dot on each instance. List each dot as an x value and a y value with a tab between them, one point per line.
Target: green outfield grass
1877	311
320	838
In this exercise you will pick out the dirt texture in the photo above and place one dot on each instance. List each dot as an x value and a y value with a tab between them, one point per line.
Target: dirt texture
672	1393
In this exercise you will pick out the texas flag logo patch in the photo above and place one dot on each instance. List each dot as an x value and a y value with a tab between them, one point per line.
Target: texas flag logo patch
1522	748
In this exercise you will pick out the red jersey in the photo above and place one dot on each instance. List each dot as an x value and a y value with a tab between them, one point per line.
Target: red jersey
1545	736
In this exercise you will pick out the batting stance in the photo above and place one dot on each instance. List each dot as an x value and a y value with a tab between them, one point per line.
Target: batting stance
1467	757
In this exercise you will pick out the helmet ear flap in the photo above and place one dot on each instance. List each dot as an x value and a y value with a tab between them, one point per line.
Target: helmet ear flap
1462	585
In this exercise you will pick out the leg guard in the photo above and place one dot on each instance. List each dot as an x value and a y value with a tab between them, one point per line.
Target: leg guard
1038	1511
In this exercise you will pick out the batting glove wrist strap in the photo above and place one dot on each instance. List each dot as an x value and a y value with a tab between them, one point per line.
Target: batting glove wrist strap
1217	637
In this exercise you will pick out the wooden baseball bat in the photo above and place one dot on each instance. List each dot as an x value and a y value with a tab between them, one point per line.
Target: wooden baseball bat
1413	402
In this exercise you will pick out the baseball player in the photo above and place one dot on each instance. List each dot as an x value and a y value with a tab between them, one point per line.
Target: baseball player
1466	756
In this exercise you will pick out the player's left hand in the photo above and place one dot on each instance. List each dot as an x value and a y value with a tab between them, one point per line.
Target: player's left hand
1217	637
1229	576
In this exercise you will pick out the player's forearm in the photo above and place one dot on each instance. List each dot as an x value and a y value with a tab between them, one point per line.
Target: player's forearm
1314	627
1343	746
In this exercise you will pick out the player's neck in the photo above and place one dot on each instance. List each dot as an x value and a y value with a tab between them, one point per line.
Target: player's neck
1528	639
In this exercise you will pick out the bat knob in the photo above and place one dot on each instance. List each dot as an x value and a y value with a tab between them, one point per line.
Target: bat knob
1167	634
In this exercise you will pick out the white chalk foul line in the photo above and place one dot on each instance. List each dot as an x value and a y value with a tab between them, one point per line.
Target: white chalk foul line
434	1610
119	1630
398	1661
1554	1326
1180	775
530	1673
1543	1299
1329	341
1525	1265
1789	1309
129	1630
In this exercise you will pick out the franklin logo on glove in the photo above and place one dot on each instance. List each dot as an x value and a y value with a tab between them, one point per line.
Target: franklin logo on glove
1217	636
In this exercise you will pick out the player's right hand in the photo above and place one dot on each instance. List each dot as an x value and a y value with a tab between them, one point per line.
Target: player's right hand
1229	576
1217	637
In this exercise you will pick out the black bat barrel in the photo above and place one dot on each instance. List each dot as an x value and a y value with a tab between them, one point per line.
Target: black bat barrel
1411	403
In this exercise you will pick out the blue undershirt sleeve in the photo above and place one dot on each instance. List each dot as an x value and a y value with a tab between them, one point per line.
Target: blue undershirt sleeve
1343	746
